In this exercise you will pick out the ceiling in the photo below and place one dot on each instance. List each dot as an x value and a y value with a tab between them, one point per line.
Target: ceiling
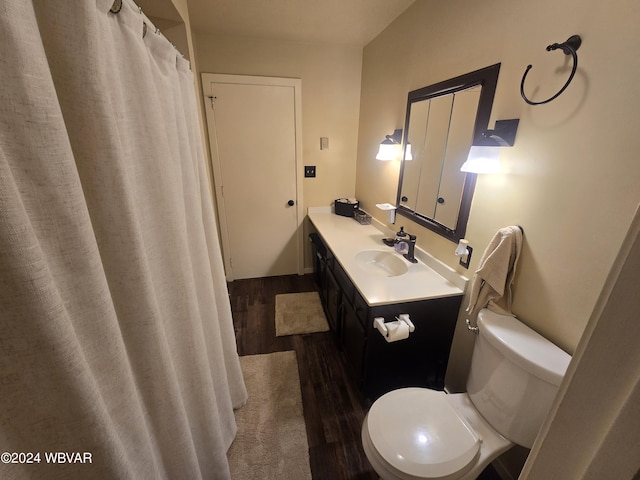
342	22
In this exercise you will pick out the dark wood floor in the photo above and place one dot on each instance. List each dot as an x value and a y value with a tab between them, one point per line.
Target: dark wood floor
333	408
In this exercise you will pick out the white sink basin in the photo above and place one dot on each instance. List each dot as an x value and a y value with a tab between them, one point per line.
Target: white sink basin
382	263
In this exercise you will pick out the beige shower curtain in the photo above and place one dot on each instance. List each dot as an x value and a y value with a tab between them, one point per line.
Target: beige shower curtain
116	338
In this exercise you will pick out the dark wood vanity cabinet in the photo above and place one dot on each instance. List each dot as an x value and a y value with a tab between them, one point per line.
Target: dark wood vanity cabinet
378	366
418	361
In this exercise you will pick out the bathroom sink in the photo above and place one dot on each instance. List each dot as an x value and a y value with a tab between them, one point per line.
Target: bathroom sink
382	263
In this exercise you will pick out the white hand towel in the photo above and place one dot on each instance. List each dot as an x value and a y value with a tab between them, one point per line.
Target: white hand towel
492	281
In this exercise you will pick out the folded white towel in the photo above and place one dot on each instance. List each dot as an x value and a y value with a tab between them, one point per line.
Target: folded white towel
492	281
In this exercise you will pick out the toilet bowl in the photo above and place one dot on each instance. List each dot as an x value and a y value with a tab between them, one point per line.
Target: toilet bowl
417	433
450	440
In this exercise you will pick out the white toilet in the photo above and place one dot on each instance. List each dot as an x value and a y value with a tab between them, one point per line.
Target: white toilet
417	433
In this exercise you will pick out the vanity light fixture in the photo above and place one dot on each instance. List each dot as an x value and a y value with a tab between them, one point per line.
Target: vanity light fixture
484	156
390	147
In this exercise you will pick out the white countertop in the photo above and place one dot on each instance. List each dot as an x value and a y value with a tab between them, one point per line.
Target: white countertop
427	279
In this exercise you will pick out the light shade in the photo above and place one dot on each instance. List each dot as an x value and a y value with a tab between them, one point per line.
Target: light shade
388	151
483	160
391	147
392	151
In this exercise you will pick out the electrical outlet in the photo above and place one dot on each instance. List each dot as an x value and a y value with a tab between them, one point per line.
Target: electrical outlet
309	171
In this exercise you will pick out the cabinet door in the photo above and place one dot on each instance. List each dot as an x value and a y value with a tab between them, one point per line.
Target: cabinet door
362	309
353	339
344	282
333	298
418	361
321	276
319	264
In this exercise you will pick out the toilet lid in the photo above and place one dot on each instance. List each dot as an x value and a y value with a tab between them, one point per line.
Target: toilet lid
419	432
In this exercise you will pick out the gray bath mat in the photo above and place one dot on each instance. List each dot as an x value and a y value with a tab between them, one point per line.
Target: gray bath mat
298	313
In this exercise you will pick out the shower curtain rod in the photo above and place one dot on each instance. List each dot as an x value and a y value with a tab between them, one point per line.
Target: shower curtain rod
117	6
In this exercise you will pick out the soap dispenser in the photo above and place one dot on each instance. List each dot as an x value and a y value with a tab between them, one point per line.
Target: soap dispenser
401	243
401	235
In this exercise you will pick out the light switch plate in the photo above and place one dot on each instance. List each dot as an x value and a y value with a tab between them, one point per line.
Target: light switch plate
309	171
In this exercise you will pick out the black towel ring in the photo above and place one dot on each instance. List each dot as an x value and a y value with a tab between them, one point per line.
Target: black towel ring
569	48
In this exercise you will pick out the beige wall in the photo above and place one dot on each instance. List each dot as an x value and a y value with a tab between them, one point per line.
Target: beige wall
573	174
330	102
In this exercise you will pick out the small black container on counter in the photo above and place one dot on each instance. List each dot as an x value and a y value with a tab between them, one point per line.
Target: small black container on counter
344	208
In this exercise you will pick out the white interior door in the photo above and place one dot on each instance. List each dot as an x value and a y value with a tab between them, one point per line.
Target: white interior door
254	133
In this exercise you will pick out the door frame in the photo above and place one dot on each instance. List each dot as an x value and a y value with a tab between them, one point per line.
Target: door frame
296	84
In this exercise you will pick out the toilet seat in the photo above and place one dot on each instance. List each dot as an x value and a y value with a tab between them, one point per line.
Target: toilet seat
418	432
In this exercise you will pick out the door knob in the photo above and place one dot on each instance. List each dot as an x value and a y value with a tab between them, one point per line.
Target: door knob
291	203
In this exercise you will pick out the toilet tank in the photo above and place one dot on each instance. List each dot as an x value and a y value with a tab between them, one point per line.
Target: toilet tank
515	375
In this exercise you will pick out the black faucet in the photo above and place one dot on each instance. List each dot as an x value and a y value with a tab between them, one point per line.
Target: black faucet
400	237
412	247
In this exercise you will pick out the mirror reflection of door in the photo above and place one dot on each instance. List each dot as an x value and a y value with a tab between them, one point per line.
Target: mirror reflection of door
417	131
440	133
459	140
435	149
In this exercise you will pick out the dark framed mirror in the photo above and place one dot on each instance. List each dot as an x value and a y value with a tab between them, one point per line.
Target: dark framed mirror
442	122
